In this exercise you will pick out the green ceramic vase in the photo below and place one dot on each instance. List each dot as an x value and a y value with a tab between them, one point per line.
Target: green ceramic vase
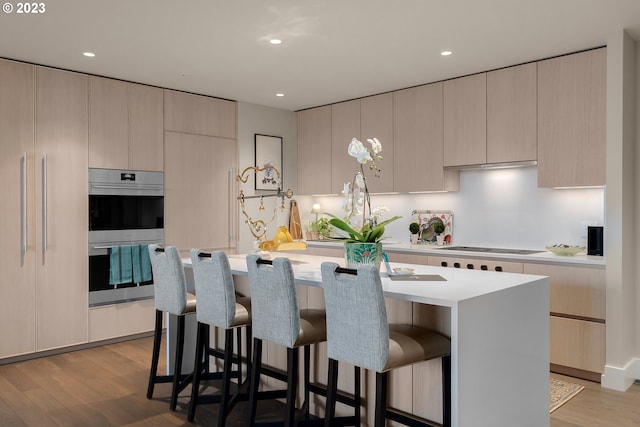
357	253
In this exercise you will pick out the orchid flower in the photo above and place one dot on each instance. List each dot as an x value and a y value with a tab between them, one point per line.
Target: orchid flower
376	146
359	151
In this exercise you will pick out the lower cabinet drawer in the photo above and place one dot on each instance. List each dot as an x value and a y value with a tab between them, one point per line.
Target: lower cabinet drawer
119	320
578	344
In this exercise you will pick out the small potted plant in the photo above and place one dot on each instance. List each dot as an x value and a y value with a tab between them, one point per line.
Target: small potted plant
414	229
438	228
320	229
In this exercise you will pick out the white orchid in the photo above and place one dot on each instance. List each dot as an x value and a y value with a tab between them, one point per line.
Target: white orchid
376	146
359	151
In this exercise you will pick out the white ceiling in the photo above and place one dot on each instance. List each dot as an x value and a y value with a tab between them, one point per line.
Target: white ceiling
332	50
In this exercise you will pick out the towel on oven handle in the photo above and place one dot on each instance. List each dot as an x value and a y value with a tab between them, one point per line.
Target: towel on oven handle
121	265
141	264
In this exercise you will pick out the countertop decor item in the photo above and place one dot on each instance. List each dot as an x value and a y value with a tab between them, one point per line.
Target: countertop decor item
427	219
361	223
565	250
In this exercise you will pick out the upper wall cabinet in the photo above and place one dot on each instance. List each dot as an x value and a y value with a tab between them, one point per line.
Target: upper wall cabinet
125	125
314	150
512	114
376	120
465	120
201	115
418	144
572	120
345	125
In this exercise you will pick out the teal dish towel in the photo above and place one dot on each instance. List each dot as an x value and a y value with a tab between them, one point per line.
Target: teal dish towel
126	263
136	263
115	278
145	263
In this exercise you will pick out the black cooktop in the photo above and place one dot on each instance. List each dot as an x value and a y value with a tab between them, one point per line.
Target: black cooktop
491	250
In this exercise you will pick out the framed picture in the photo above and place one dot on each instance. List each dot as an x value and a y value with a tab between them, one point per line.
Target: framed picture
268	151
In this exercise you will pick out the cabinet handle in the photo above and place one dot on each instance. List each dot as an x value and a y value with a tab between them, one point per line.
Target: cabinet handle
444	264
498	268
456	265
231	201
44	203
484	267
470	266
23	246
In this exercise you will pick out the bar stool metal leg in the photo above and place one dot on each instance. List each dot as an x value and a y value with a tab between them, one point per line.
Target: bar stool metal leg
293	358
177	370
381	399
197	369
226	377
255	380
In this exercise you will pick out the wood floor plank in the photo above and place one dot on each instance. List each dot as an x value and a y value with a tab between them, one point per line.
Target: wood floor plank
106	387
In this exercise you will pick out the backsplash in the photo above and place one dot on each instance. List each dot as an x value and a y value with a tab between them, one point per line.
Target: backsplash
502	208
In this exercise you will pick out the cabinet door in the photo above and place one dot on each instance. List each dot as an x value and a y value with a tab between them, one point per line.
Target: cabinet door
314	150
202	115
146	135
62	212
345	125
465	120
17	225
108	118
199	196
577	344
574	291
512	114
572	120
376	120
417	141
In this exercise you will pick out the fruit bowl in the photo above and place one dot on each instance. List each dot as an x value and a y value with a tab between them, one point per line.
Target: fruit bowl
565	250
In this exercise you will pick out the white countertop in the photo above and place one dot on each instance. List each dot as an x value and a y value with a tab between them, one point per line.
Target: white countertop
459	285
542	257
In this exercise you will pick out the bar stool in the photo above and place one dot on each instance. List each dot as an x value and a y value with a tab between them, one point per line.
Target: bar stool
358	333
218	306
171	296
277	318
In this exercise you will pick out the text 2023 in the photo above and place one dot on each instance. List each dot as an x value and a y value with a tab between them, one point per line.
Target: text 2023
30	8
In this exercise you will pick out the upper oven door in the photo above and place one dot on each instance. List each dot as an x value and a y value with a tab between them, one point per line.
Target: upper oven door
125	200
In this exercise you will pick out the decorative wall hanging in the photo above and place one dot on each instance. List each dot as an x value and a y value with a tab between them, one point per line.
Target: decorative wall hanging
268	161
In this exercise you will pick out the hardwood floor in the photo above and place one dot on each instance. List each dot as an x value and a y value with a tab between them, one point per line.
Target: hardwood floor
106	386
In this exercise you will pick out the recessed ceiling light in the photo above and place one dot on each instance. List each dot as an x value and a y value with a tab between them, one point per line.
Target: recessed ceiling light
89	54
446	53
275	41
280	94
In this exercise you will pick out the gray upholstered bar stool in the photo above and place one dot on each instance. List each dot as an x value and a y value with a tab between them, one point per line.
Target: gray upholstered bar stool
171	296
358	333
278	319
218	306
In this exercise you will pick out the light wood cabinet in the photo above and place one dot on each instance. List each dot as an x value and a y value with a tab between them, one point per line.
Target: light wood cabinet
465	120
199	191
61	165
577	327
125	125
146	134
512	114
345	125
572	120
17	223
376	120
201	115
418	141
314	150
118	320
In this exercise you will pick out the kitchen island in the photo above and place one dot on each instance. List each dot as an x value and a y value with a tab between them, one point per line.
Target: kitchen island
499	329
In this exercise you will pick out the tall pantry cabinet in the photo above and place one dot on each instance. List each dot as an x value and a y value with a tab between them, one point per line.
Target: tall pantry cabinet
43	218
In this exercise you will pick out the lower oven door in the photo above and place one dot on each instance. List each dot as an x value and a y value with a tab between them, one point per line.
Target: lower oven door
101	291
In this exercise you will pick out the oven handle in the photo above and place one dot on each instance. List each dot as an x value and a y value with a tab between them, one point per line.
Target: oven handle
127	187
113	246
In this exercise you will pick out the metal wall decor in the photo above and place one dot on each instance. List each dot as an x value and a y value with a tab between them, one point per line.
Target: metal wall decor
258	227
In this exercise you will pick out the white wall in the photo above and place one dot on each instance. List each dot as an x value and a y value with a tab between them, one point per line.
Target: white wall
254	119
501	208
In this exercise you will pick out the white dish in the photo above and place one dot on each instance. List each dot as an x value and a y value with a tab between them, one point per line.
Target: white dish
402	270
565	250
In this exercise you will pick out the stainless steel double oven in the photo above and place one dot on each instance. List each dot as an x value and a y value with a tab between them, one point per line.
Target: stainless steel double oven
126	210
